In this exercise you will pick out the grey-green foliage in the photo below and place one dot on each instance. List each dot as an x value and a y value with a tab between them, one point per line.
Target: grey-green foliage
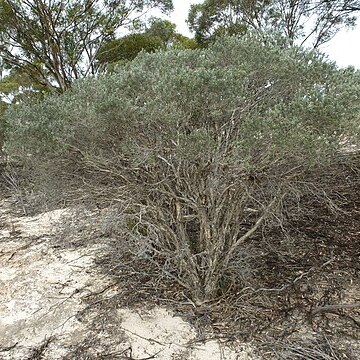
3	107
270	90
194	139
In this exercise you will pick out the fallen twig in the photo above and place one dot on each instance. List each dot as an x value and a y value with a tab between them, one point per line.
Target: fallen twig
332	308
128	357
8	348
102	291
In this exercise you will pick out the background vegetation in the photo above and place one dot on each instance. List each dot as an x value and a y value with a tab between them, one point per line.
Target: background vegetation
310	23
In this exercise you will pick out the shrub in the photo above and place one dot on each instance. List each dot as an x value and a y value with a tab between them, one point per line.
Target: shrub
3	107
204	145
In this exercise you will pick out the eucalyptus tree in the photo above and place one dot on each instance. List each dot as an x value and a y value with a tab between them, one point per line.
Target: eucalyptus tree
166	31
56	41
310	22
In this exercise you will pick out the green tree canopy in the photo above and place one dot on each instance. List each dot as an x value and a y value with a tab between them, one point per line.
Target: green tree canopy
158	34
313	22
56	41
166	31
128	47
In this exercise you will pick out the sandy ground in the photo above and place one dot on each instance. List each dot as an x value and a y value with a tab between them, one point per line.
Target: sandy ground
42	288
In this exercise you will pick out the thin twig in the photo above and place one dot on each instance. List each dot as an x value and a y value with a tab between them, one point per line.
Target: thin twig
333	307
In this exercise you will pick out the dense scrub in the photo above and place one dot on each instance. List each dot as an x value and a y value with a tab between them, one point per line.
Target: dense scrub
201	148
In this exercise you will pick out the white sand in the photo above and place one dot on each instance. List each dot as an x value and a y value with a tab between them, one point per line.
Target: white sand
41	290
